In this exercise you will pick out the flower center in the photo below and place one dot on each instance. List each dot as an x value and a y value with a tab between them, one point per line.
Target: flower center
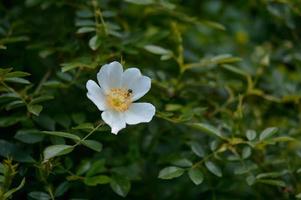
119	99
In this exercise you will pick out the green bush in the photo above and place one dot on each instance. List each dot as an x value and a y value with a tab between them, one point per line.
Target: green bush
226	84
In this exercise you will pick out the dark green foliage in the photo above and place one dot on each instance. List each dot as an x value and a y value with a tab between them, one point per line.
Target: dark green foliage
226	84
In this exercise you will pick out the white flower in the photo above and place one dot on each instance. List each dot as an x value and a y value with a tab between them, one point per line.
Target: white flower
115	94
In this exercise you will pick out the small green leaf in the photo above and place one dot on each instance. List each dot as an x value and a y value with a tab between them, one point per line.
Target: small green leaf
197	149
157	50
39	195
94	42
85	30
213	168
57	150
251	134
61	189
35	109
120	185
196	175
269	175
92	144
207	129
63	134
250	180
96	168
170	172
267	133
272	182
96	180
246	152
140	2
17	80
29	136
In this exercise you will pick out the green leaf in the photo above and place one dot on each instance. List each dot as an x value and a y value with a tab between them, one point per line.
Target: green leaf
246	152
29	136
82	126
250	180
213	168
17	80
39	195
17	74
157	50
196	175
268	175
206	128
213	24
85	30
120	185
272	182
140	2
197	149
10	120
61	189
96	180
94	42
16	152
35	109
234	69
63	134
251	134
267	133
170	172
92	144
182	162
57	150
97	167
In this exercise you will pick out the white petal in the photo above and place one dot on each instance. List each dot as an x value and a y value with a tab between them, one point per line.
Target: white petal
129	76
115	120
110	76
96	95
140	87
139	112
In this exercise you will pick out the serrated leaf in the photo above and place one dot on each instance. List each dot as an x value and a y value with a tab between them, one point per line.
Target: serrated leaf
196	175
213	168
57	150
170	172
267	133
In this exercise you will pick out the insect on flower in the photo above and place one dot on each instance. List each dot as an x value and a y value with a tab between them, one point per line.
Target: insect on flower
116	93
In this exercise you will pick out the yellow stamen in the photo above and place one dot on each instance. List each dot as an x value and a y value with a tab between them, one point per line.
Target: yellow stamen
119	99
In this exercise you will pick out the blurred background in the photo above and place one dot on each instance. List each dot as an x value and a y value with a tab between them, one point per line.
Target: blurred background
226	83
